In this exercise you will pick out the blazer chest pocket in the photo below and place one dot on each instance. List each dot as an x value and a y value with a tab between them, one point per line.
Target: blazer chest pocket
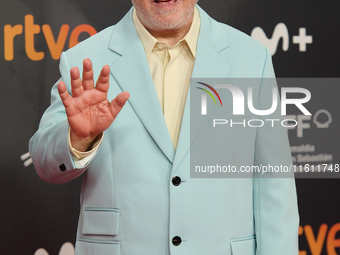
100	221
243	247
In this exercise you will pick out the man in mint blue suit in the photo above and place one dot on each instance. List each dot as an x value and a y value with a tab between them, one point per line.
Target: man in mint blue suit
137	196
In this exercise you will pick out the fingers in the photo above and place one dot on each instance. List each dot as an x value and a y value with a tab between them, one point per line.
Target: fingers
64	95
118	103
88	82
103	79
76	84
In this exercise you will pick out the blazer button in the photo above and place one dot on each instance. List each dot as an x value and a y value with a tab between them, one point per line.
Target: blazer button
176	240
62	167
176	181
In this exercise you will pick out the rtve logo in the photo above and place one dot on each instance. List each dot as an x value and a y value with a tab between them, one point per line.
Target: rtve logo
281	31
326	237
55	45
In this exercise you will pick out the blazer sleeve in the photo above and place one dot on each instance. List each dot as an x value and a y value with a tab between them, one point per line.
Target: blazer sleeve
275	199
49	145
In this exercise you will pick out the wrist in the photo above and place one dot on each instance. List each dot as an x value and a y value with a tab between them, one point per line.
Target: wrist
83	143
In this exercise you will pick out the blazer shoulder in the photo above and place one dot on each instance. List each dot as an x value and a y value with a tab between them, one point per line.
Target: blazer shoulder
242	41
245	50
228	40
95	48
101	38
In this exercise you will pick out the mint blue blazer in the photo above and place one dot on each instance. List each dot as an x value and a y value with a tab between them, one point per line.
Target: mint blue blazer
129	204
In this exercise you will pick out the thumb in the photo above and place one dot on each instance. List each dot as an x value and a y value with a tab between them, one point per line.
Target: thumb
117	104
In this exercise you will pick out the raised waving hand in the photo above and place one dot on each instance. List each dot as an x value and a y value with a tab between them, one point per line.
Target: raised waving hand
88	110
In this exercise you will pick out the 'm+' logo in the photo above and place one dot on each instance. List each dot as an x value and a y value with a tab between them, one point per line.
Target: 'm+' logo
281	32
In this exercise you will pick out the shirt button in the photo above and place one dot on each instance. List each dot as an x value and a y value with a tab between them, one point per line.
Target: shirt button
176	181
62	167
176	240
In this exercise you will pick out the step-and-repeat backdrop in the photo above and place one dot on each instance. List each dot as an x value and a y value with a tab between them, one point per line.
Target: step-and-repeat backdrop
41	218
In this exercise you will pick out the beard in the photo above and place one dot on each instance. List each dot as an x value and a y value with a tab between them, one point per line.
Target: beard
161	19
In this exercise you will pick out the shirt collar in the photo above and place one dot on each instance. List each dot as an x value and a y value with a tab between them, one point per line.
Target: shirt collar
149	41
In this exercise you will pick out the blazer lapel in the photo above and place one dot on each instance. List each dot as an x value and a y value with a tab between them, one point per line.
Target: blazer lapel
132	73
208	64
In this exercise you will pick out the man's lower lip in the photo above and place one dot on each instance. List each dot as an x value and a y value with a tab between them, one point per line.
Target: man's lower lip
169	2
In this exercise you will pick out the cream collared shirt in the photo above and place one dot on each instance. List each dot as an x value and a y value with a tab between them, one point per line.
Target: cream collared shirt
171	69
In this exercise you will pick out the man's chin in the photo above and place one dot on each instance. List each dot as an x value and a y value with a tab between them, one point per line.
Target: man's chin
169	22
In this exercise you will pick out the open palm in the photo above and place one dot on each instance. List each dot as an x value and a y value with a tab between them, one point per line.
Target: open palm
88	110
